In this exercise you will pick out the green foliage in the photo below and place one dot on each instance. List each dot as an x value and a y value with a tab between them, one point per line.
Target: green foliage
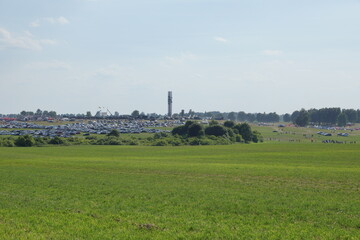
7	142
342	120
238	138
213	122
244	130
25	141
302	118
160	142
215	130
229	124
56	141
195	130
257	137
180	130
114	133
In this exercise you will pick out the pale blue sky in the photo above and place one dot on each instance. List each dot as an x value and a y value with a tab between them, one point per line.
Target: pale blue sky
256	56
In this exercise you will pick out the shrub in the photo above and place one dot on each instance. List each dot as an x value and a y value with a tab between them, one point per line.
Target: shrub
215	130
160	142
238	138
114	133
25	141
195	130
229	124
194	141
7	142
180	130
56	140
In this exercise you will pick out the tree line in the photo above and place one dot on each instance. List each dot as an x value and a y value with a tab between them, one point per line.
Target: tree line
324	116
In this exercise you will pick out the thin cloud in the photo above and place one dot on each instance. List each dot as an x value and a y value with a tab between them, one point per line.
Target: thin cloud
272	52
50	20
184	57
25	41
54	64
221	39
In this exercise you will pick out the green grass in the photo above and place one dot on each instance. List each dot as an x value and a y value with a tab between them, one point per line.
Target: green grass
257	191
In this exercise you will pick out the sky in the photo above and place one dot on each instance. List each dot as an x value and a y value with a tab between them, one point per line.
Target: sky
74	56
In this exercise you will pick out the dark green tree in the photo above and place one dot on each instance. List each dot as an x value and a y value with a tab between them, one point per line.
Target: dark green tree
342	120
287	117
232	116
135	114
302	119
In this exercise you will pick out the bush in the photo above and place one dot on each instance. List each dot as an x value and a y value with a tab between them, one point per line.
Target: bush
238	138
160	143
195	130
180	130
160	135
245	131
7	142
25	141
114	133
39	141
194	141
215	130
229	124
56	141
257	137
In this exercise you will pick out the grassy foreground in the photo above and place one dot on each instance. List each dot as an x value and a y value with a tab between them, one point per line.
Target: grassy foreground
257	191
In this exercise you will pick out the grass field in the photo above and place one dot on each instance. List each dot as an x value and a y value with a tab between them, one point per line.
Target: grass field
256	191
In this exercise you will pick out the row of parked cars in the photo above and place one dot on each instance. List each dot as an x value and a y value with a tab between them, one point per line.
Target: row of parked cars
83	128
329	134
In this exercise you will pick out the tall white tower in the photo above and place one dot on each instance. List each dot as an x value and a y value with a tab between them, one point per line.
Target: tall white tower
169	103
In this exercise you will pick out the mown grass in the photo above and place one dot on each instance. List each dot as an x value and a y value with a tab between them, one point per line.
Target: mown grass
257	191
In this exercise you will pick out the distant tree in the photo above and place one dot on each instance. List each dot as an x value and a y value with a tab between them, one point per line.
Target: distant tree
135	114
52	114
213	122
250	117
25	141
88	114
229	124
116	114
294	115
241	116
232	116
38	112
45	113
302	119
351	115
342	120
287	117
114	133
215	130
23	113
219	116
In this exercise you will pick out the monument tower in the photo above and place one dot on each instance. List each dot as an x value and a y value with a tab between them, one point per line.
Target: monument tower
169	103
